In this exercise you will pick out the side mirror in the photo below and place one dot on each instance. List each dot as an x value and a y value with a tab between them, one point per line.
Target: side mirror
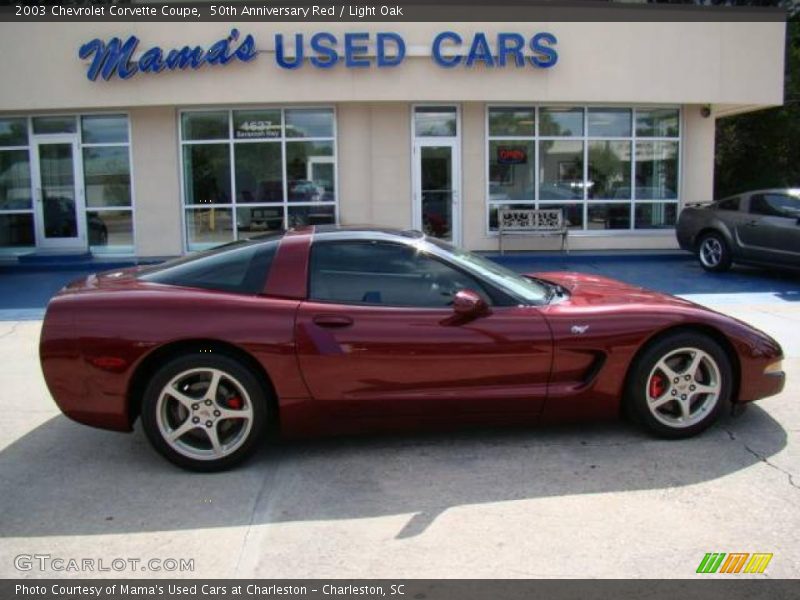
469	305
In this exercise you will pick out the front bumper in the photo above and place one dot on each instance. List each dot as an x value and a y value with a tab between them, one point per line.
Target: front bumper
764	386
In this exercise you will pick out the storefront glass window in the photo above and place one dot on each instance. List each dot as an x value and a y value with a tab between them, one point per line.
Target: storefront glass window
45	125
256	124
14	132
205	125
209	226
260	161
511	121
259	177
657	170
107	183
110	228
591	162
609	122
657	122
560	122
207	172
609	216
511	170
104	129
310	215
58	192
560	169
261	219
573	213
16	230
609	169
16	205
656	215
435	121
309	171
309	122
107	176
15	180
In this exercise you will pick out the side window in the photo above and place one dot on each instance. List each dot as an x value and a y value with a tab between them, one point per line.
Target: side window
775	205
384	274
729	203
240	270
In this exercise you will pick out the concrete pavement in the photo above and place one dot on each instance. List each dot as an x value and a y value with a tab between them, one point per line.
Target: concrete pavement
596	500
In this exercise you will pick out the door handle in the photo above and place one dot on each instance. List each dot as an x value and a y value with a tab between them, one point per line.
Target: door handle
332	321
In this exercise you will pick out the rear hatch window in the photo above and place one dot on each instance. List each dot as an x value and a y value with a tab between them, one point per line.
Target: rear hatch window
240	267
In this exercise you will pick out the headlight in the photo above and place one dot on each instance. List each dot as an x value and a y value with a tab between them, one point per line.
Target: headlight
774	368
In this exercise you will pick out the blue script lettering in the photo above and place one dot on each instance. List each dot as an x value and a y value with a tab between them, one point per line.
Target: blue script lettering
116	57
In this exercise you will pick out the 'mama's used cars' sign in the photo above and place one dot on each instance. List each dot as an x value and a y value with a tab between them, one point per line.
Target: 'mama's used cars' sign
322	50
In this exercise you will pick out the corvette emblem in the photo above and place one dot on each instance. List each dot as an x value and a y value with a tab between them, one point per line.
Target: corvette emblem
579	329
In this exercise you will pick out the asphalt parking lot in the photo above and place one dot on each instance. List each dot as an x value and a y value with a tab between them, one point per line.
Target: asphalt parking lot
596	500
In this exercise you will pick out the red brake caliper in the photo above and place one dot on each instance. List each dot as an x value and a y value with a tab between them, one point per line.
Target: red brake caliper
657	385
235	403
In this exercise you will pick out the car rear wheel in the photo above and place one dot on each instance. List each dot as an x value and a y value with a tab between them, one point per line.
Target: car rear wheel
714	253
679	386
204	412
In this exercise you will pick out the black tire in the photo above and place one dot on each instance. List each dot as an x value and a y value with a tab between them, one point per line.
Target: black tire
235	381
714	253
665	421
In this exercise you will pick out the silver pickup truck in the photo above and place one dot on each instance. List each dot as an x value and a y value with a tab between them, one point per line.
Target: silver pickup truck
760	227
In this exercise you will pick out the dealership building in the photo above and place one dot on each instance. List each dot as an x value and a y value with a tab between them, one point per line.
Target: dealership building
154	139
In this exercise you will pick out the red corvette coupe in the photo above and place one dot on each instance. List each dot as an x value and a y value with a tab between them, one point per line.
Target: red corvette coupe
325	330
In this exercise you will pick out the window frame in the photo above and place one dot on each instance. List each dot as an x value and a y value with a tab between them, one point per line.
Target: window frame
497	298
31	147
584	202
128	144
231	142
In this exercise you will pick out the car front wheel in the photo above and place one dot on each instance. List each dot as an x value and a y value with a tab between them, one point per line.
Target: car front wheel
204	412
679	386
714	253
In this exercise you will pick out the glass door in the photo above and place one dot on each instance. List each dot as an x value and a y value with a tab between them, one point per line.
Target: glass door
437	189
59	193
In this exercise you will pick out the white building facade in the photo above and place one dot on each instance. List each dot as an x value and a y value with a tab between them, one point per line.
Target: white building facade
431	126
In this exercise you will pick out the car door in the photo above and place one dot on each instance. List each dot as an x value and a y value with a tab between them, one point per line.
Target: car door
772	232
377	337
732	213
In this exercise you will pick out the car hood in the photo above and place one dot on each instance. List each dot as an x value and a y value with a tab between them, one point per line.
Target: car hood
593	290
601	294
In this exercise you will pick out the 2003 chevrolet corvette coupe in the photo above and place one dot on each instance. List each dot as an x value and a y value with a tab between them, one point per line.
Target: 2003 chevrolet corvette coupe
325	330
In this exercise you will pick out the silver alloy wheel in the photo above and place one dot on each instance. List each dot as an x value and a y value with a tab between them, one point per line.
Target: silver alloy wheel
204	413
711	252
683	387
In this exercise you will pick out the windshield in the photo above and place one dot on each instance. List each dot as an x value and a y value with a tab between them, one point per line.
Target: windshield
528	290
